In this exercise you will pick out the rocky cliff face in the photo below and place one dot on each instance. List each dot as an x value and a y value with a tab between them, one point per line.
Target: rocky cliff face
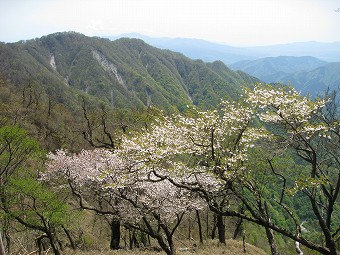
52	62
108	66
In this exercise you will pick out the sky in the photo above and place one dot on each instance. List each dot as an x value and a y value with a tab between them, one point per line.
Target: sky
231	22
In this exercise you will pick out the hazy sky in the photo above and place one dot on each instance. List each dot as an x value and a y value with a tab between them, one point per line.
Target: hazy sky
233	22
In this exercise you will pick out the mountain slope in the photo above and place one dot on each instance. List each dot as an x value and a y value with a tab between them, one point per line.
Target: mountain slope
122	73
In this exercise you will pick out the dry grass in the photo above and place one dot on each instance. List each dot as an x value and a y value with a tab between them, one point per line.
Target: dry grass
232	247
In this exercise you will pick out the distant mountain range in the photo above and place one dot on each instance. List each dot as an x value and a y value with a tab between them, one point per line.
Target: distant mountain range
264	67
122	73
209	52
307	74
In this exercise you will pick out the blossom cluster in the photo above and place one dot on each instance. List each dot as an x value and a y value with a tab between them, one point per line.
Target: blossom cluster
85	167
287	107
140	193
278	104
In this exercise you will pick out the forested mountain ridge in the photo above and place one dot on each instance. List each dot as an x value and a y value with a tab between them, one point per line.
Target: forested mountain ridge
123	73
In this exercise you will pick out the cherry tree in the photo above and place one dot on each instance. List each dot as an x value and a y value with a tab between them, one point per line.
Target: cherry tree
209	146
219	143
132	192
81	173
157	207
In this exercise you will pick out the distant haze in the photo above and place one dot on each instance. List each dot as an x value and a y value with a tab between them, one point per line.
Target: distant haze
237	23
209	52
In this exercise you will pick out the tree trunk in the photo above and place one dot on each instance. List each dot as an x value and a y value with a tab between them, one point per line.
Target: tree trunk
41	246
133	239
238	229
273	247
54	243
68	234
2	246
115	235
332	247
213	231
130	239
168	249
144	239
171	246
244	243
207	221
189	228
199	226
221	228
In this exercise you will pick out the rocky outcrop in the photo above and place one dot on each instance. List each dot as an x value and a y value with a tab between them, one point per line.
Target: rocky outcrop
52	62
108	66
